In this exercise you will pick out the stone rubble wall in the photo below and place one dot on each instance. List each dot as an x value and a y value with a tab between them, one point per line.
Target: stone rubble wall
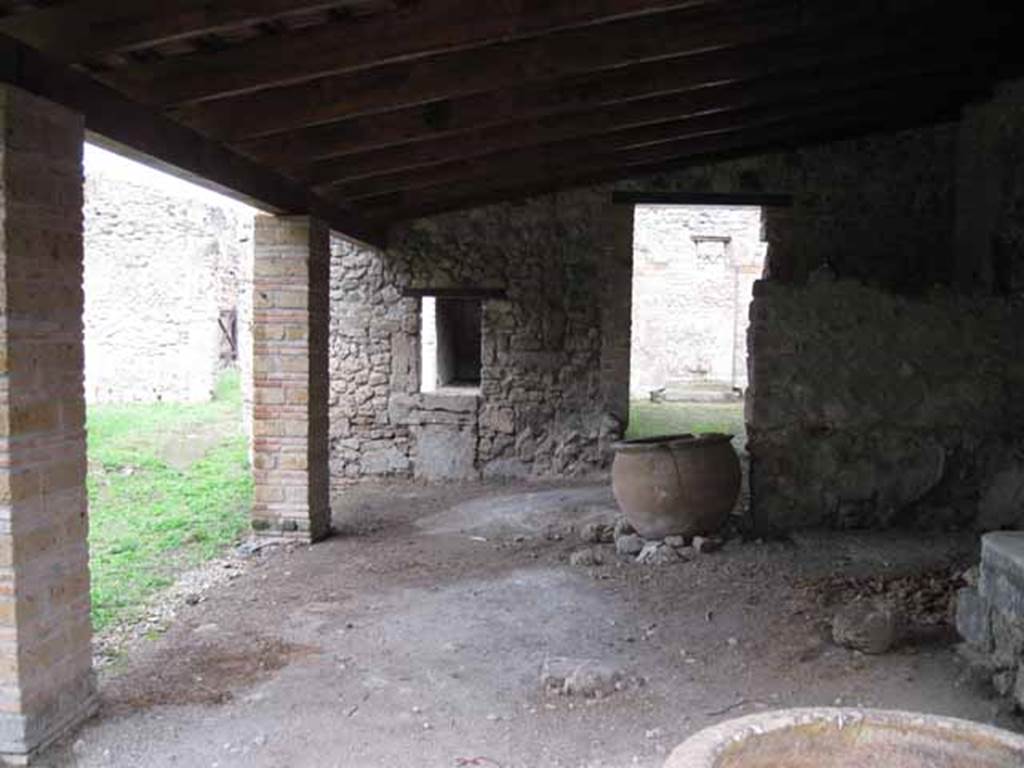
693	273
159	269
540	410
884	350
990	615
873	409
556	362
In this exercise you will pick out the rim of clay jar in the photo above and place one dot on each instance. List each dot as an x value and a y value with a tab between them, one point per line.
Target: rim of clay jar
705	748
686	440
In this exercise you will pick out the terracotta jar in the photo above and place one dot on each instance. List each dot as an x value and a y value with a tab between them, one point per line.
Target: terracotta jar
676	485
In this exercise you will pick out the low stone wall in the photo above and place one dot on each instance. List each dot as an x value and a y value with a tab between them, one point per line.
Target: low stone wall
869	409
990	615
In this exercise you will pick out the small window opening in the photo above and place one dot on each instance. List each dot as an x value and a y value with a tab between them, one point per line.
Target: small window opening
450	337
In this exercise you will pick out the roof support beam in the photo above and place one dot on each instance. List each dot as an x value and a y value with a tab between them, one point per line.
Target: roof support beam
427	27
567	154
532	100
592	51
172	146
74	31
727	97
930	40
420	81
481	189
763	199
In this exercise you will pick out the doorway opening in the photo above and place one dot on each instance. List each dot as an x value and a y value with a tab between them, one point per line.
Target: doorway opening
694	267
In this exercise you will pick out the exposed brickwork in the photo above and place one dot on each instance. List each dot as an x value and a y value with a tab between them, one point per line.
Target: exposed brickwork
46	681
290	377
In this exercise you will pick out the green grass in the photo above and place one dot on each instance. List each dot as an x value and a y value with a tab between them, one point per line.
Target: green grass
647	419
169	487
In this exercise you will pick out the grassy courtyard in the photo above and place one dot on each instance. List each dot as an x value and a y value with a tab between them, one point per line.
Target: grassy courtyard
647	419
169	487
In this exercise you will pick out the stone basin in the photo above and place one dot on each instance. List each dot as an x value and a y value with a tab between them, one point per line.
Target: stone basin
849	738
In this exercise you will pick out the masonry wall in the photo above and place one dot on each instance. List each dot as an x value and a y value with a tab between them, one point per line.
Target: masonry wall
885	357
46	680
693	274
556	351
160	269
874	409
540	410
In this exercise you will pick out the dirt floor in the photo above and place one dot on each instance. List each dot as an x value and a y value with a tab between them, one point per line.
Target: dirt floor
417	637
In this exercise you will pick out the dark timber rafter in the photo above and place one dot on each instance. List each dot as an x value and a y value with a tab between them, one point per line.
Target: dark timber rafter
592	50
119	120
657	158
541	99
363	110
458	73
871	46
424	28
568	153
714	100
79	29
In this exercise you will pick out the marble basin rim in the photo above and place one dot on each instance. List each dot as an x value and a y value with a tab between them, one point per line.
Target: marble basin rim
828	737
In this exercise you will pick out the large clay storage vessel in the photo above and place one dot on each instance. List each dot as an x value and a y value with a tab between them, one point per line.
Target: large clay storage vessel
676	485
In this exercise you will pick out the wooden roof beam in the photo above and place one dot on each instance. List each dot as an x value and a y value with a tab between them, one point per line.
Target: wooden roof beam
77	30
728	97
427	27
483	69
930	38
538	100
569	153
589	50
168	145
687	152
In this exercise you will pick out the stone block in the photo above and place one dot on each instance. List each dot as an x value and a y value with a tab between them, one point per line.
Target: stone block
445	453
1007	638
1001	580
973	620
1018	687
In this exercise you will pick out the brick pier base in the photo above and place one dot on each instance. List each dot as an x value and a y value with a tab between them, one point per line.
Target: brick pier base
46	679
290	377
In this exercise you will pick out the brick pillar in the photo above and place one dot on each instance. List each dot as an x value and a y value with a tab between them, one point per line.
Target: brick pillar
291	310
46	680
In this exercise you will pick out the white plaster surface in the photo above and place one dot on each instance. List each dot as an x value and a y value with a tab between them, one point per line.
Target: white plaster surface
160	266
693	274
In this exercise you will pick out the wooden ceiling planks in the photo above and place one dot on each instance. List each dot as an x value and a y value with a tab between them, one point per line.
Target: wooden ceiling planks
382	109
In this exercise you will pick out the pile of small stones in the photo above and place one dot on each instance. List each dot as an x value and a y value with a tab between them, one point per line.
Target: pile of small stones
630	544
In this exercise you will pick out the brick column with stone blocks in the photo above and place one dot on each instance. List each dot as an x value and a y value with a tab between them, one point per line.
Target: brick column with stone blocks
291	309
46	679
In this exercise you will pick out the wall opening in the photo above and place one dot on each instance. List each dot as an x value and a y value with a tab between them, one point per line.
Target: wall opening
450	341
694	267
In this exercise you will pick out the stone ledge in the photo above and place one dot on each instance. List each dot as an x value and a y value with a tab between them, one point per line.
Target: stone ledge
1001	583
991	618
